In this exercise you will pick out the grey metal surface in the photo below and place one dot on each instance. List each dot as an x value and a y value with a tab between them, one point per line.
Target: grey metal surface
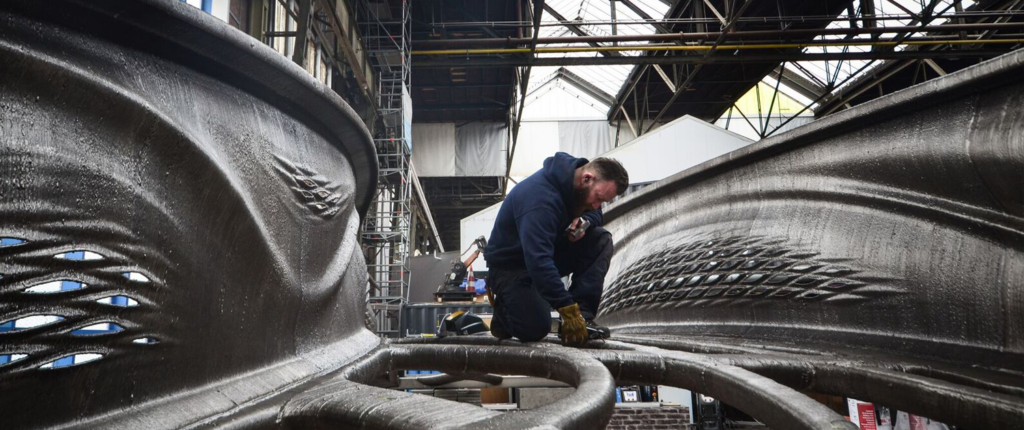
937	390
532	398
221	189
181	150
769	401
893	232
457	381
590	406
890	226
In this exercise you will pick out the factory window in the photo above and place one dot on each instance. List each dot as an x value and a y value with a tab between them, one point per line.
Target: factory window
283	33
311	55
325	70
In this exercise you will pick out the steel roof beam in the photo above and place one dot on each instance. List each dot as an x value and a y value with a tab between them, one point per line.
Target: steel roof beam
585	86
676	9
880	73
643	15
751	35
575	29
800	84
693	73
695	59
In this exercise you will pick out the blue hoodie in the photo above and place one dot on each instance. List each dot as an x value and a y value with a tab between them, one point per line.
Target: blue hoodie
534	215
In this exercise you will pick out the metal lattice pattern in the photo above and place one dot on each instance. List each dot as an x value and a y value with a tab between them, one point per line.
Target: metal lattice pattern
729	271
386	230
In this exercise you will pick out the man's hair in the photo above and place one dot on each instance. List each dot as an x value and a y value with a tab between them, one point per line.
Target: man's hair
611	170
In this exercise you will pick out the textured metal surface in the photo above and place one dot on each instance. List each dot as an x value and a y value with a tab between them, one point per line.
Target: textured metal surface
590	406
769	401
151	154
891	235
941	391
892	226
209	179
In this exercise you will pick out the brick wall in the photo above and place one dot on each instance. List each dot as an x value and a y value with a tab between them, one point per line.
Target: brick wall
650	418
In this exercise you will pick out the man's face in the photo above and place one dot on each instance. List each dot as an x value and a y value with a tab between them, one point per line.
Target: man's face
593	192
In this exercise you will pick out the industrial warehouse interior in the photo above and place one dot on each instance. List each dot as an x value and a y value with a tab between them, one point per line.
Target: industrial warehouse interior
512	214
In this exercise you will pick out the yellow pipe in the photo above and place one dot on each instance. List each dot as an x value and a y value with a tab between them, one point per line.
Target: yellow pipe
709	47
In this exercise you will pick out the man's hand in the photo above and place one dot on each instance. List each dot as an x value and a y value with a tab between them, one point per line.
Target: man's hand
574	327
576	230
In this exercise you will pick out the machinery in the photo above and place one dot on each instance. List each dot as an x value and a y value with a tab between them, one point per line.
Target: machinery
451	289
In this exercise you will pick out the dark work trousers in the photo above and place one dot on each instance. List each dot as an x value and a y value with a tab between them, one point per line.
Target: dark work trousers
520	310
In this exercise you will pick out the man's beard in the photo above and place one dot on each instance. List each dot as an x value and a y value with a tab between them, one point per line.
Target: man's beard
579	201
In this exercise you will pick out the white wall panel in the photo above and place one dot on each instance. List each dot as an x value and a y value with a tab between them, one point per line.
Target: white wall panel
674	147
474	226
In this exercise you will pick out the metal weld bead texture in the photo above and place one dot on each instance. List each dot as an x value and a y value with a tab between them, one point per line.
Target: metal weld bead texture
348	403
219	173
768	401
929	389
897	225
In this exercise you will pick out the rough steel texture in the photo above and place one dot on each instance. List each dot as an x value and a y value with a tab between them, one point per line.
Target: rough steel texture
590	406
769	401
896	225
205	177
941	391
219	184
891	235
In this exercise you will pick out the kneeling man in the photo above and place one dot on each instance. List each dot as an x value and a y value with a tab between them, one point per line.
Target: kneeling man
548	227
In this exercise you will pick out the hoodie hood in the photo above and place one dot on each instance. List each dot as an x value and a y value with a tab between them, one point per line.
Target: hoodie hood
560	170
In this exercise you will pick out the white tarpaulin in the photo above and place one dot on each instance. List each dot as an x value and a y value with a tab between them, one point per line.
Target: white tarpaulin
541	139
474	149
474	226
587	139
480	149
433	149
537	141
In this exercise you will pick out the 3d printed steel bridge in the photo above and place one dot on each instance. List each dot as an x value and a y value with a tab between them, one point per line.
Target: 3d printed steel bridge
196	196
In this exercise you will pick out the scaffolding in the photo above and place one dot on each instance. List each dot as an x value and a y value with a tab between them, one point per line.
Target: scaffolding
386	28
